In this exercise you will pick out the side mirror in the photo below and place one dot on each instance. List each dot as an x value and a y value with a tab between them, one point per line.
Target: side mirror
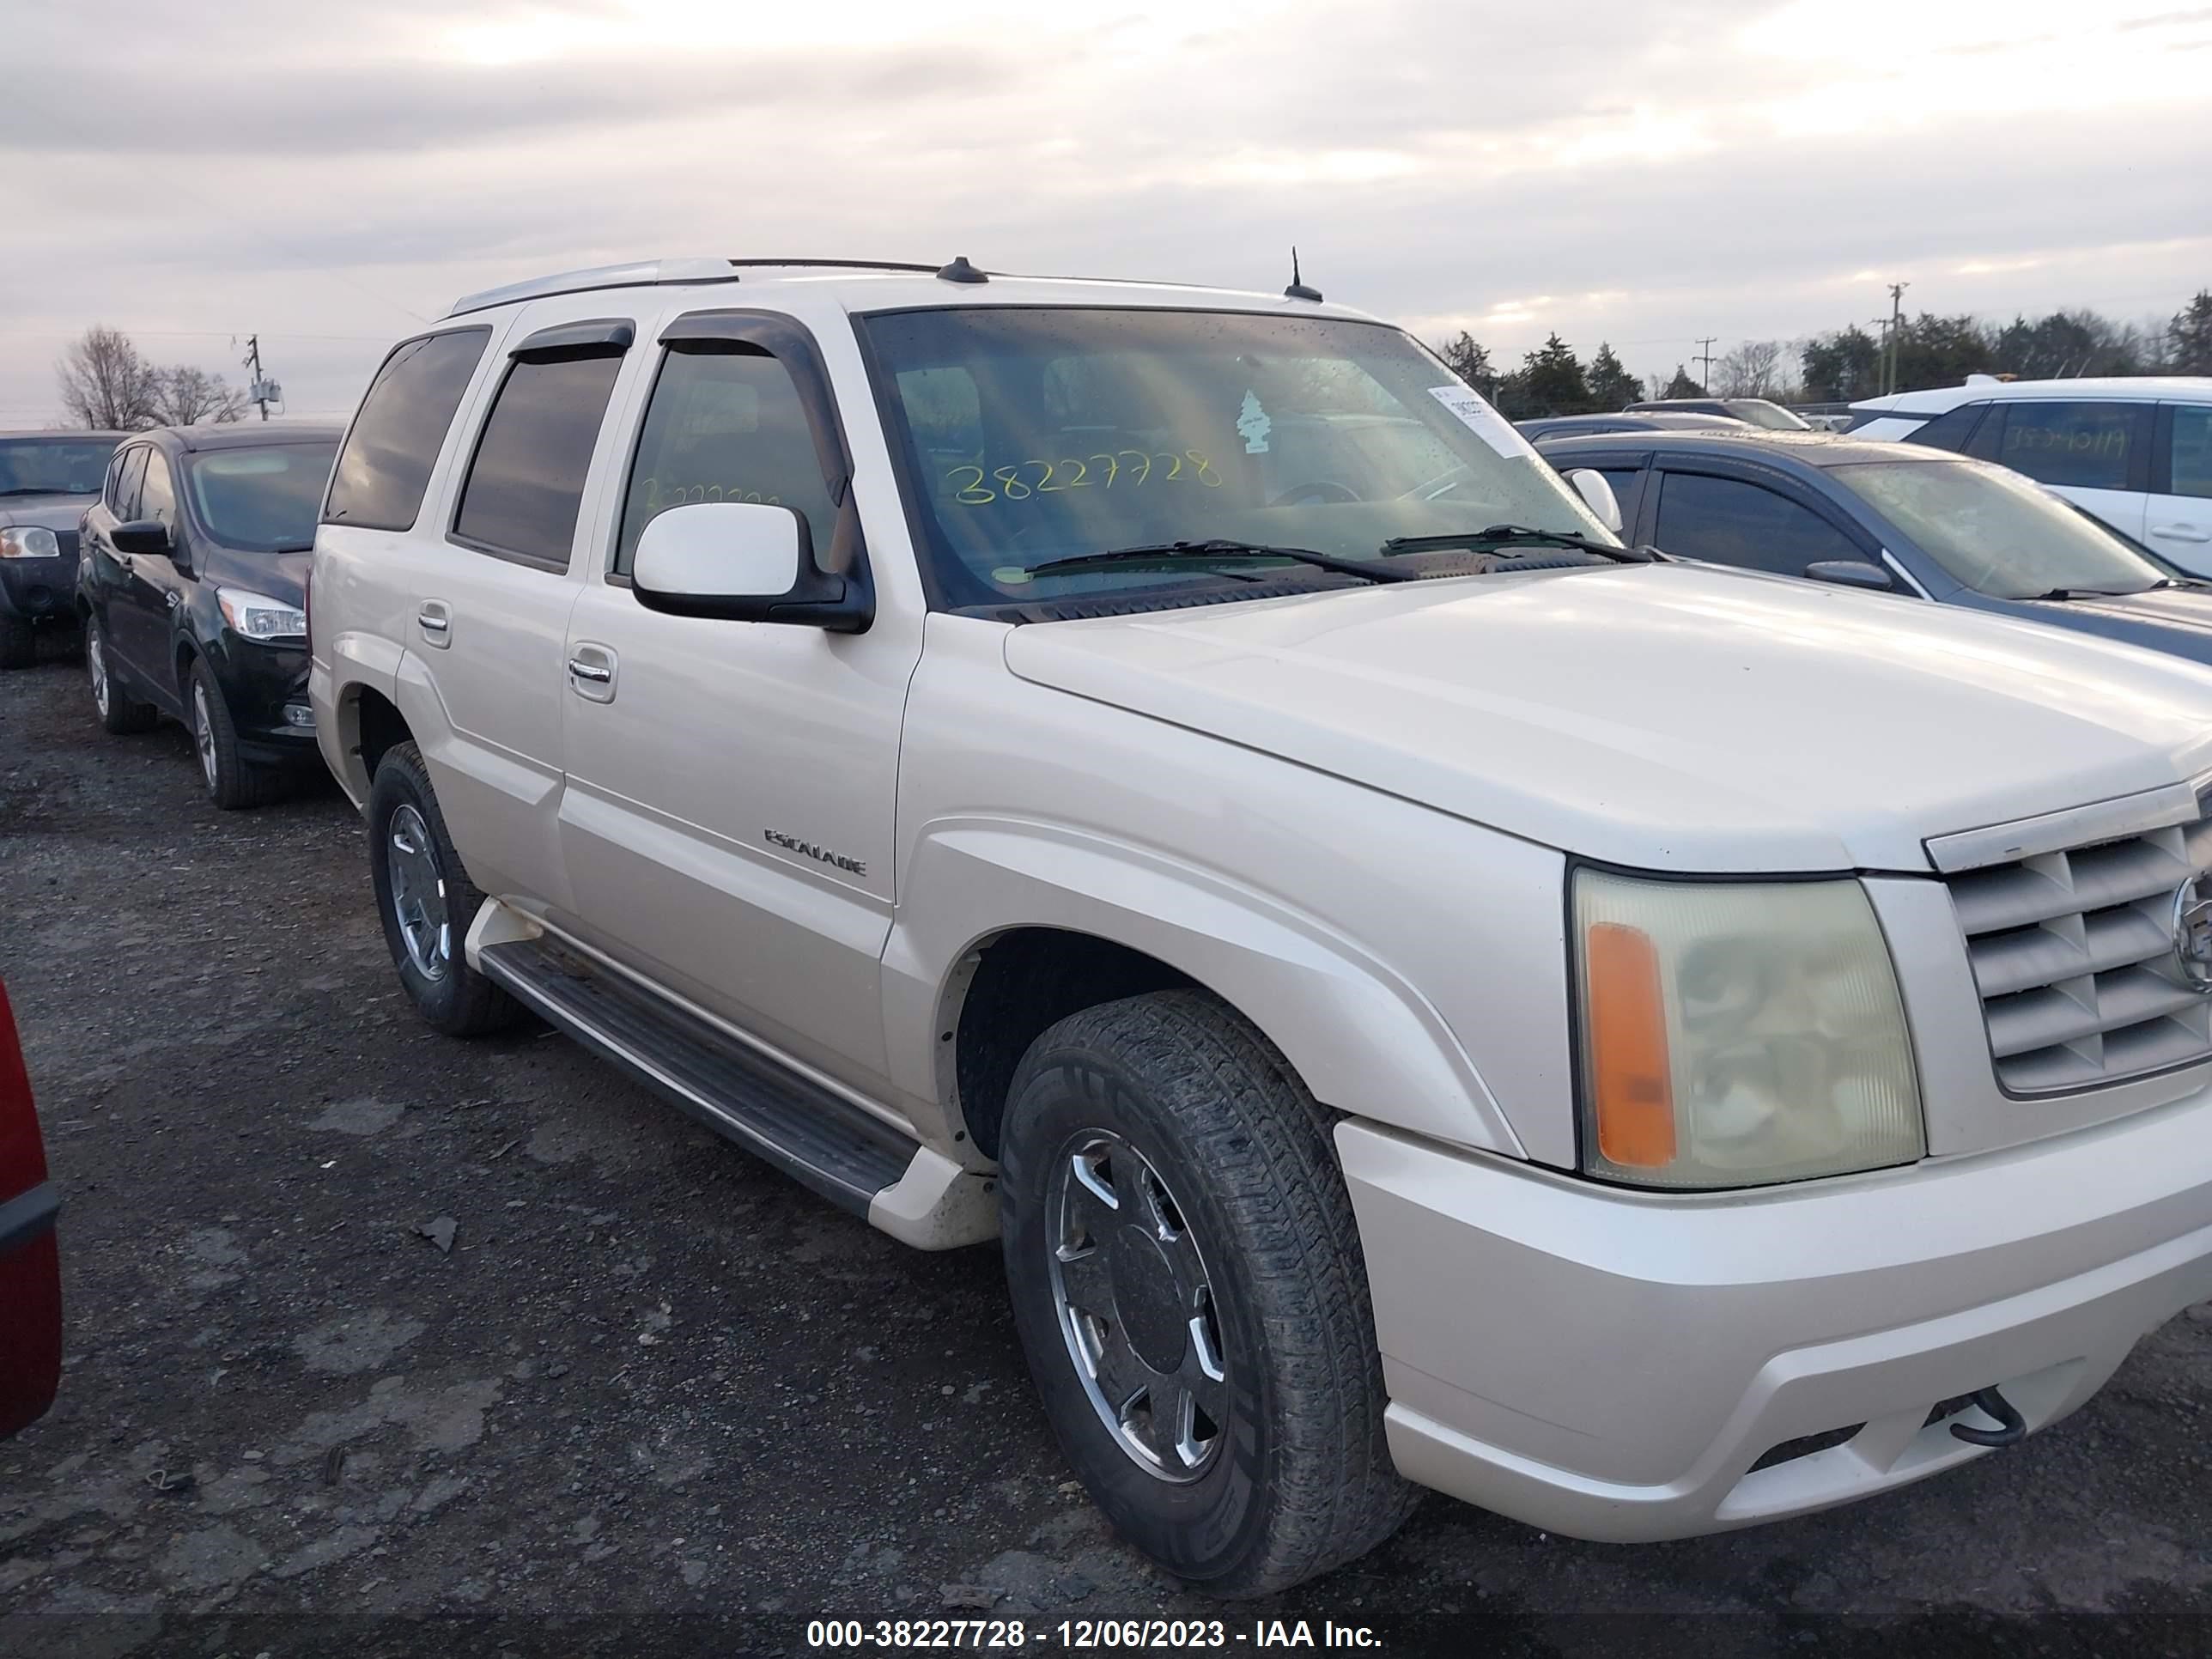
1597	495
1851	573
140	536
743	561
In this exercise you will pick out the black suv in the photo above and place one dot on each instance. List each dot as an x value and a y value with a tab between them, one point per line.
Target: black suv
190	585
46	480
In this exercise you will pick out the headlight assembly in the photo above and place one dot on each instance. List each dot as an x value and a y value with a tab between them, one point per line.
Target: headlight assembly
29	541
1735	1034
259	618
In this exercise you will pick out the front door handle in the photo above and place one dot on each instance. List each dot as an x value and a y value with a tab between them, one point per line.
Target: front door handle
436	622
2181	533
591	672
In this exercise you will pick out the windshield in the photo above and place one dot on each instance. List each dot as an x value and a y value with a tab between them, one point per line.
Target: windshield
54	466
262	500
1039	433
1759	412
1997	532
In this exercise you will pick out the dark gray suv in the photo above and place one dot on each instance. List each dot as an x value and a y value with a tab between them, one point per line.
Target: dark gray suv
47	479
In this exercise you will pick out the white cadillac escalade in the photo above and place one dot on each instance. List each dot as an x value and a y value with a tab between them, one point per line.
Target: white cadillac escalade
1425	994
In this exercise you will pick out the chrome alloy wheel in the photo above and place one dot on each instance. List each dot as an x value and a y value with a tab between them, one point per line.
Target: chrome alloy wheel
95	663
419	895
203	734
1136	1306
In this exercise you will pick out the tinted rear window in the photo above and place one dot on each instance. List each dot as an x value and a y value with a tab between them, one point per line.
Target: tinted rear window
527	480
386	464
2087	446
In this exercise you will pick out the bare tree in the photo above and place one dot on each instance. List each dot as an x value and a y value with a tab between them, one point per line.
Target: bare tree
184	396
1752	370
106	385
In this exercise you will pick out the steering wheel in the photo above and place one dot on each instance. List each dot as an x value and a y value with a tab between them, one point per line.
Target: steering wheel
1315	494
1443	483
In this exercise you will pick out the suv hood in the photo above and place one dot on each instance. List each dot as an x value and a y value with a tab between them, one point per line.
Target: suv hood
1671	717
50	512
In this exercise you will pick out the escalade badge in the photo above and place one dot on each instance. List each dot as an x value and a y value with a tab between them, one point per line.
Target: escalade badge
2192	930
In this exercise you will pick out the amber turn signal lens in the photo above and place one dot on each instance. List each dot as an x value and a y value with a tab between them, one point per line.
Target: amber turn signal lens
1630	1084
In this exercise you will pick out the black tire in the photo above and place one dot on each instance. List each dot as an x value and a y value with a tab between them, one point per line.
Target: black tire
19	645
1300	1479
233	782
459	1001
119	712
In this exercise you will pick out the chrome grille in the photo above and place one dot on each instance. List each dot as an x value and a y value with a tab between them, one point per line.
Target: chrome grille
2073	953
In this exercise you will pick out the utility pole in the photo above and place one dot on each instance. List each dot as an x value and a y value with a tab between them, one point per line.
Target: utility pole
1706	358
1896	331
261	390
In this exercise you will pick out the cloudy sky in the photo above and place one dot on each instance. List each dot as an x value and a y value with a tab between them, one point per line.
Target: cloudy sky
1641	171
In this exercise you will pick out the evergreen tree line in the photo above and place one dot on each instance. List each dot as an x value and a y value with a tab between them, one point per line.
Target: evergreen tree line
1846	364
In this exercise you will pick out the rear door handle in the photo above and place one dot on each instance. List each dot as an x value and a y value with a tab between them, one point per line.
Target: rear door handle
436	623
2181	533
591	672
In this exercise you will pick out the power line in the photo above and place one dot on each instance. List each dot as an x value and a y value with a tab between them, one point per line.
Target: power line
1705	357
199	334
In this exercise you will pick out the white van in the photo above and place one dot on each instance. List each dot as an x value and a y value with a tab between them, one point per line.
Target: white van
2137	452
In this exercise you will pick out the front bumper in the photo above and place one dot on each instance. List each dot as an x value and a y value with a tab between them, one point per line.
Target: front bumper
38	590
1610	1365
261	683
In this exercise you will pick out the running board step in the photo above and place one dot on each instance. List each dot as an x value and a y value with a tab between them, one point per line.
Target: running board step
817	1138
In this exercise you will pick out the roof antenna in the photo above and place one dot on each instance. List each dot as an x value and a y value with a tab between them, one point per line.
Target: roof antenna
961	271
1298	290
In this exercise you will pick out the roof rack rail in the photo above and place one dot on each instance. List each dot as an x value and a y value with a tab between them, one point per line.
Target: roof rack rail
641	272
577	282
638	271
840	264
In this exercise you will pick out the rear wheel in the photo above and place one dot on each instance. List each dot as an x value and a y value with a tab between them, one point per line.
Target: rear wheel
426	901
119	712
19	646
233	782
1189	1288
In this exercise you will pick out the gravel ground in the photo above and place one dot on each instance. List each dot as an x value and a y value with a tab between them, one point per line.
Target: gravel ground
655	1397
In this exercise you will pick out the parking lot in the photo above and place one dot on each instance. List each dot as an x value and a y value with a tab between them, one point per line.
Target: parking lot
655	1396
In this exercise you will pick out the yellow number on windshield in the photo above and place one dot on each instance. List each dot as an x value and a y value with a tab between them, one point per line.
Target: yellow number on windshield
971	493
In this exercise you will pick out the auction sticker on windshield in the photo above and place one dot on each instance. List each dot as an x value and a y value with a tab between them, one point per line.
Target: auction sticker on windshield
1480	418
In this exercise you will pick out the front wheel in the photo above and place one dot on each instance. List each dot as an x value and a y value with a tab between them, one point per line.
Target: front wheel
1189	1288
233	781
119	712
426	901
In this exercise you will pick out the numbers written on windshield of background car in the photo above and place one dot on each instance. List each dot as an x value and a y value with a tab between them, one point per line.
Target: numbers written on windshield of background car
972	485
679	494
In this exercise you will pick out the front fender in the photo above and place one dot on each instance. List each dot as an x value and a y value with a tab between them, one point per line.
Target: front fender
1363	1038
356	661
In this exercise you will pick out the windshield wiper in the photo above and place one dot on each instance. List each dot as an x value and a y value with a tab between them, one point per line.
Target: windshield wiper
1215	549
1506	535
43	489
307	546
